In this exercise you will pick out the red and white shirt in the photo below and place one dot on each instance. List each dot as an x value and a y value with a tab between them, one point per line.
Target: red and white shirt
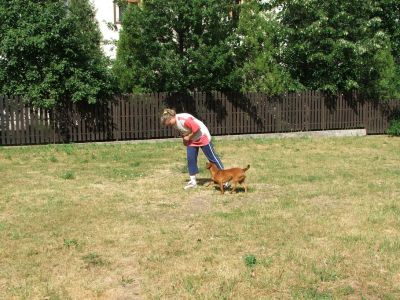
186	124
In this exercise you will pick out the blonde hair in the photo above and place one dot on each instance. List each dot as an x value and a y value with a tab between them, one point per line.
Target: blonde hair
167	114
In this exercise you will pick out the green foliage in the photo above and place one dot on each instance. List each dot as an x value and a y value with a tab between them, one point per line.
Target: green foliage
261	71
199	45
177	45
50	52
394	127
71	243
381	78
394	124
389	11
333	46
68	175
337	45
250	260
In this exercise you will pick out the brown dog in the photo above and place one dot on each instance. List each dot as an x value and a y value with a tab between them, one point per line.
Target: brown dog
236	175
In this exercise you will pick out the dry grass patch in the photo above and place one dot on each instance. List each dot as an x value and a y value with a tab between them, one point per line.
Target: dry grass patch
320	221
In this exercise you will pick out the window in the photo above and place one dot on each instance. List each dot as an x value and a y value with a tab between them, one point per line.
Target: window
119	10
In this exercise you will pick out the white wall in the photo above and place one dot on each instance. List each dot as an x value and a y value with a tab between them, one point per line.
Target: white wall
105	14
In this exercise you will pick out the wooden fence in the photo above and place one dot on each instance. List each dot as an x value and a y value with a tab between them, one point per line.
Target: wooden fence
135	117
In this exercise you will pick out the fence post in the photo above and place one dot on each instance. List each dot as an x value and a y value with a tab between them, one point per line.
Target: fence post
365	109
323	110
308	103
279	116
54	125
117	119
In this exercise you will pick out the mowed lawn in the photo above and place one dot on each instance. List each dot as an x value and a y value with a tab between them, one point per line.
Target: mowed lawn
321	220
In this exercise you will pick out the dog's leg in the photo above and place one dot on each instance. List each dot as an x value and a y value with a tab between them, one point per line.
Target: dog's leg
221	186
234	187
208	183
245	186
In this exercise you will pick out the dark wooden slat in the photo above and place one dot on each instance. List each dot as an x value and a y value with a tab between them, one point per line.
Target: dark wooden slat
116	120
46	139
13	138
34	125
76	123
140	118
18	111
101	122
82	115
46	135
7	121
40	125
149	118
92	125
95	132
109	134
322	110
2	120
135	122
313	112
155	122
144	118
45	128
29	131
123	119
24	125
130	116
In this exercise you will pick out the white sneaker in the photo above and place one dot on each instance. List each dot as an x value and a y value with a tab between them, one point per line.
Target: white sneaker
190	185
227	185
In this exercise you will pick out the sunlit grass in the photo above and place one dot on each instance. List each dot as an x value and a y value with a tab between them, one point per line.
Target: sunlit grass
321	220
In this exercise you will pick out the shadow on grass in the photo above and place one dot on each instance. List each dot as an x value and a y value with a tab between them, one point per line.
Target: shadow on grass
208	183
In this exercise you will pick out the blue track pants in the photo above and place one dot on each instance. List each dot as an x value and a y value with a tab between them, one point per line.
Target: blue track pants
192	154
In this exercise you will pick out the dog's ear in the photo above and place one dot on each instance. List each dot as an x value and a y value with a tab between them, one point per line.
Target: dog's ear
208	165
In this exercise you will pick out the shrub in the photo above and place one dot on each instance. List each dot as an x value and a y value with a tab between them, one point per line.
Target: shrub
250	260
394	124
394	127
68	175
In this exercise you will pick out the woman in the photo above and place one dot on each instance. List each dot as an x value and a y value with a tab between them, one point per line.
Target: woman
195	135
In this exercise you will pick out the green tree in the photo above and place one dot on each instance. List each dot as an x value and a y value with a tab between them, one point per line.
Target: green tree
178	45
389	11
337	45
261	72
382	77
50	52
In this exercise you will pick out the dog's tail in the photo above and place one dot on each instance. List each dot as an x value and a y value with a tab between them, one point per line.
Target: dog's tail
245	169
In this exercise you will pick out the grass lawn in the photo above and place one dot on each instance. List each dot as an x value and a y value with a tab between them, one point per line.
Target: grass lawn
321	220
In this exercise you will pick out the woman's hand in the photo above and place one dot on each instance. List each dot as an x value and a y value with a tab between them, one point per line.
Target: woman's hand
186	140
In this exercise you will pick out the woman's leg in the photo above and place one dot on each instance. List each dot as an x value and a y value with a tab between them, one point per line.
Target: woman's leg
192	153
209	152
